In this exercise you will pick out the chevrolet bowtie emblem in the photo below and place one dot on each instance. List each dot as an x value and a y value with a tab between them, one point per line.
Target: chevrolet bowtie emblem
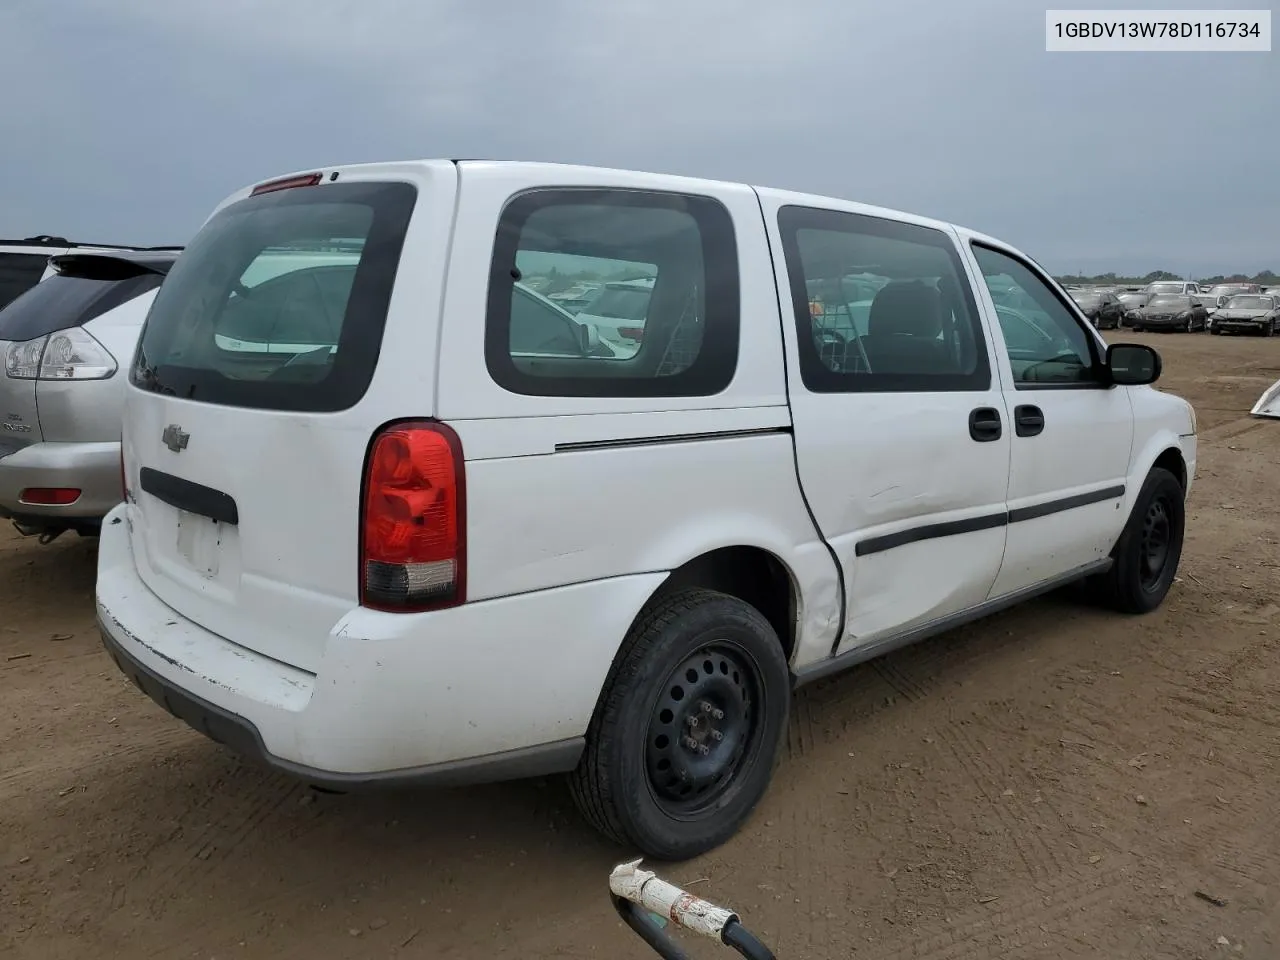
175	438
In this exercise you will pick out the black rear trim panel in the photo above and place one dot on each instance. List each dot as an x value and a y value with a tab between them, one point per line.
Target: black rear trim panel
189	496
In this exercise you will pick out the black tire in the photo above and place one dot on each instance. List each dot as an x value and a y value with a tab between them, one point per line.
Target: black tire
1145	558
628	782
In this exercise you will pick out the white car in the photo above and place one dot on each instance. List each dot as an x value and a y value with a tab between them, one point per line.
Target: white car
431	547
619	313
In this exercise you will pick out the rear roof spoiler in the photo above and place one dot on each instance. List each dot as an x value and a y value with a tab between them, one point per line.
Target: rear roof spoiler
115	266
45	240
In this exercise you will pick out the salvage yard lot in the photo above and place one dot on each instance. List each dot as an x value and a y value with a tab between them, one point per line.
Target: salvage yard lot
1054	782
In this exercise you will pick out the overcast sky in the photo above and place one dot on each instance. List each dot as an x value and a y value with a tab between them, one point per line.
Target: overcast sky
127	120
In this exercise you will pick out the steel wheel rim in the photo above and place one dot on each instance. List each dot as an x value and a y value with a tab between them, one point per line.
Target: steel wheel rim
1156	543
704	727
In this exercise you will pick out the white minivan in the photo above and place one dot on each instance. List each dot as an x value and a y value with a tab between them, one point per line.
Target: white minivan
445	536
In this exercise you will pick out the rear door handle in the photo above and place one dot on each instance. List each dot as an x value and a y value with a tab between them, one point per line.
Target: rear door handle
1028	420
984	424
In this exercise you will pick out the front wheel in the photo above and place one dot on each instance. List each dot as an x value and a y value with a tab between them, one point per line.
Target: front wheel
688	728
1145	558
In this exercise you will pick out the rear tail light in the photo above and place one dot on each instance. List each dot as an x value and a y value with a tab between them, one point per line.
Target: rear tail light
49	496
71	354
413	527
631	333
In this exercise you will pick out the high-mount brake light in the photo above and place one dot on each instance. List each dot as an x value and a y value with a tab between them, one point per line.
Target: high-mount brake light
306	180
413	520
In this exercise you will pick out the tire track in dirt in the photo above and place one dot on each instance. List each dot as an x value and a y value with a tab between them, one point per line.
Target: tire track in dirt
1046	908
231	812
971	756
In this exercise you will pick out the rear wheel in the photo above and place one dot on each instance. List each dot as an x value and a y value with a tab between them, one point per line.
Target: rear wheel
1145	559
688	729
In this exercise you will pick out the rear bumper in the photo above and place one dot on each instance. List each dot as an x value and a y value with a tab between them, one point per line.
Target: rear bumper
91	468
496	690
1240	326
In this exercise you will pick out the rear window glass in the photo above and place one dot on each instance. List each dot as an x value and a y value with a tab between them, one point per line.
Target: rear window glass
60	302
19	272
559	324
256	312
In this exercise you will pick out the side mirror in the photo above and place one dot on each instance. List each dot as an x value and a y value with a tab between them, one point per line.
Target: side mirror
1133	364
588	337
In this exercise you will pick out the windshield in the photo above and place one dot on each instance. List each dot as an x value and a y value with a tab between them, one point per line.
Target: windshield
1087	299
1227	289
1129	299
1250	303
1167	303
1166	287
280	300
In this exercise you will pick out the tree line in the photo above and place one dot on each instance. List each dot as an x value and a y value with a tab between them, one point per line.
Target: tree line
1265	278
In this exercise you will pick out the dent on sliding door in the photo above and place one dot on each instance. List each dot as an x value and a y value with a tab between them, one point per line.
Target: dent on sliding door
899	429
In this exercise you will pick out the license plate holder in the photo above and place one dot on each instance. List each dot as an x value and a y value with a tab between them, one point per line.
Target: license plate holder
199	542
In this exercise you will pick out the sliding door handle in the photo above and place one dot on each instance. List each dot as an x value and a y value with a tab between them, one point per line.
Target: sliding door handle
985	425
1028	420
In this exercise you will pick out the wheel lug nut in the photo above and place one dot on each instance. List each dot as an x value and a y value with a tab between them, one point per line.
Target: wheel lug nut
692	721
704	750
691	743
717	735
705	707
718	714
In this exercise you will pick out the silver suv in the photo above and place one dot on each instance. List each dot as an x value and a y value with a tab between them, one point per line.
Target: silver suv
63	343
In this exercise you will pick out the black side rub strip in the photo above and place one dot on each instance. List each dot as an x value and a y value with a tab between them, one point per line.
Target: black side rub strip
930	531
952	528
1036	511
668	438
192	497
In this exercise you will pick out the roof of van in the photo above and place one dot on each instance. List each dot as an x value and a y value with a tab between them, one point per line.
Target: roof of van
672	181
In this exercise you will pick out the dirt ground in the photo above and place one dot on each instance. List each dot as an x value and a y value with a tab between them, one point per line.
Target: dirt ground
1055	782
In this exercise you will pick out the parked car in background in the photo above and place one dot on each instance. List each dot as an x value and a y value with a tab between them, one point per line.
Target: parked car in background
1102	307
1132	301
1248	313
64	343
1220	292
1182	288
619	313
1171	311
451	550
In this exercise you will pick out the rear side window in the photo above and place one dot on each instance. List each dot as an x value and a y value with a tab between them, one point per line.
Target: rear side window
613	293
19	272
880	305
280	300
67	300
